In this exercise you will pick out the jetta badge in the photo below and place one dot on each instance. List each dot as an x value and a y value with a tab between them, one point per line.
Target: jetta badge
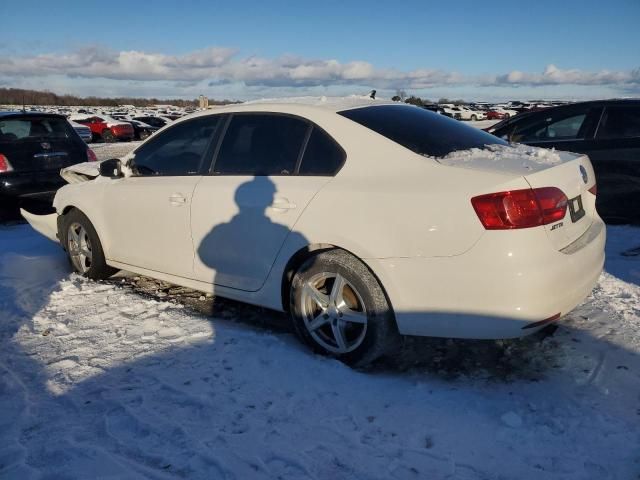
45	145
583	172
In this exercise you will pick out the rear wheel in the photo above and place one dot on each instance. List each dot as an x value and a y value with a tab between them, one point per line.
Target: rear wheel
83	247
108	136
144	135
474	118
506	115
339	309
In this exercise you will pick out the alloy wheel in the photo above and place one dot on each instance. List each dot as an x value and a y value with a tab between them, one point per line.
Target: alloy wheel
333	312
79	247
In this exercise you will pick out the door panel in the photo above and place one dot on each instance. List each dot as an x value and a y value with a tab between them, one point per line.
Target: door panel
239	224
148	219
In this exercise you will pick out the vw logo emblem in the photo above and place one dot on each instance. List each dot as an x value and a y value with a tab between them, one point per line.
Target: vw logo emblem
583	172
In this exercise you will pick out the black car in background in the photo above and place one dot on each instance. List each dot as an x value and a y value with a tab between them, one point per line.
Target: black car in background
153	121
141	130
33	148
606	130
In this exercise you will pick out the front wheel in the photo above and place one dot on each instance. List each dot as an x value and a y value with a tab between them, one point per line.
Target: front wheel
339	309
83	247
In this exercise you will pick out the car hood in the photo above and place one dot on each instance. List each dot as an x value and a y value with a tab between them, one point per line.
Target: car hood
81	172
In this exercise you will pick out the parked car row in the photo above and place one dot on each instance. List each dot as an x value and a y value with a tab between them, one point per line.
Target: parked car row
487	111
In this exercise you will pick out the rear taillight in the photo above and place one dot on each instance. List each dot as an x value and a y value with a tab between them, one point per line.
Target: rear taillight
91	156
594	189
5	166
520	208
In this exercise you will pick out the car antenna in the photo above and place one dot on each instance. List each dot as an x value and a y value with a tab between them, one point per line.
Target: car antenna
372	94
24	109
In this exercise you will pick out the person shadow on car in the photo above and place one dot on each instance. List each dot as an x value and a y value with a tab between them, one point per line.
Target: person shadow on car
231	249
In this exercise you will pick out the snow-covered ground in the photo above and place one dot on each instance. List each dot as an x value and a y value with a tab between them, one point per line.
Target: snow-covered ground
122	380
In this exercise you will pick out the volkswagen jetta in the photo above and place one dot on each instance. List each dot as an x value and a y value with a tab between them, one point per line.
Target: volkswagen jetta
363	221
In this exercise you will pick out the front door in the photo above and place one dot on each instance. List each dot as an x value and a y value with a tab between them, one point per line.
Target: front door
148	215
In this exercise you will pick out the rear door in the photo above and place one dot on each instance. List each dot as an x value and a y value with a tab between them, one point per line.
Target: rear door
615	154
259	185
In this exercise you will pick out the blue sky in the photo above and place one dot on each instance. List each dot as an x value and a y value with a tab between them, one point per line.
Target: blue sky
248	49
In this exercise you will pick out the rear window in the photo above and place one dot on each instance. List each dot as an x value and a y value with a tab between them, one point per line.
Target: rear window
36	129
420	130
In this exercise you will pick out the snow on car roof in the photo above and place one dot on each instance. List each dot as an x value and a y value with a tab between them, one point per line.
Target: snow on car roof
334	104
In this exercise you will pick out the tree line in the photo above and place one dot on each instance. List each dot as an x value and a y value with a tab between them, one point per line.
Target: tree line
20	96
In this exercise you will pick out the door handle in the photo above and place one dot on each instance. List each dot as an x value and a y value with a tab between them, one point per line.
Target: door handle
176	200
282	205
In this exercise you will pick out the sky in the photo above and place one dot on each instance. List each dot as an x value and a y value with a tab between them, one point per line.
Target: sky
476	50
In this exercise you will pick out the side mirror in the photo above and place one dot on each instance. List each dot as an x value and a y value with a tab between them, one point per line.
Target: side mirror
111	168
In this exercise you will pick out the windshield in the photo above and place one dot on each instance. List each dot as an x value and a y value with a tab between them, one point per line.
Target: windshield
420	130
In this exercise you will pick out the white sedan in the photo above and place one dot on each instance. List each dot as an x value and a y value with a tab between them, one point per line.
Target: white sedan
363	221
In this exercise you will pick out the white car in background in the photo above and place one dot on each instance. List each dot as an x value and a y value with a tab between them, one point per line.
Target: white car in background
363	221
460	112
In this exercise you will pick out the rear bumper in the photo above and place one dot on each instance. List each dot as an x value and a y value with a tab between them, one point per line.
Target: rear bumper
29	184
504	284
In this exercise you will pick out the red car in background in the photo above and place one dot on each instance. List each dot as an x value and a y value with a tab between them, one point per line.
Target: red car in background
105	128
495	115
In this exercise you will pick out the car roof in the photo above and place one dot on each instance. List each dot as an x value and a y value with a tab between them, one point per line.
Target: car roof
20	113
303	108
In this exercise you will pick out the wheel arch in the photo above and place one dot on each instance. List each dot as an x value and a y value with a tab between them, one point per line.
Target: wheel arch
304	253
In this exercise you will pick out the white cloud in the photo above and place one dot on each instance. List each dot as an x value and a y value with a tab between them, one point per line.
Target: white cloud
221	66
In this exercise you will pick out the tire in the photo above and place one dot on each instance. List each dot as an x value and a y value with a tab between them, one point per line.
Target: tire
108	136
92	265
474	118
506	115
143	135
370	331
457	116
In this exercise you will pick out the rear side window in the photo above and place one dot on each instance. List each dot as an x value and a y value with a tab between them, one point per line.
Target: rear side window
620	122
34	129
322	156
261	144
420	130
178	151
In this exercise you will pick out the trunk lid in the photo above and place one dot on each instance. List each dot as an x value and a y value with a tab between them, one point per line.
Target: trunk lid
570	172
574	178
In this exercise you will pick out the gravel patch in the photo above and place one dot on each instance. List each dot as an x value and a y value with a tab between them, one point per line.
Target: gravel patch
105	151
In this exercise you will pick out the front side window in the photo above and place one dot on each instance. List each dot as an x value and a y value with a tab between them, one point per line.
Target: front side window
620	122
420	130
566	128
260	145
178	151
